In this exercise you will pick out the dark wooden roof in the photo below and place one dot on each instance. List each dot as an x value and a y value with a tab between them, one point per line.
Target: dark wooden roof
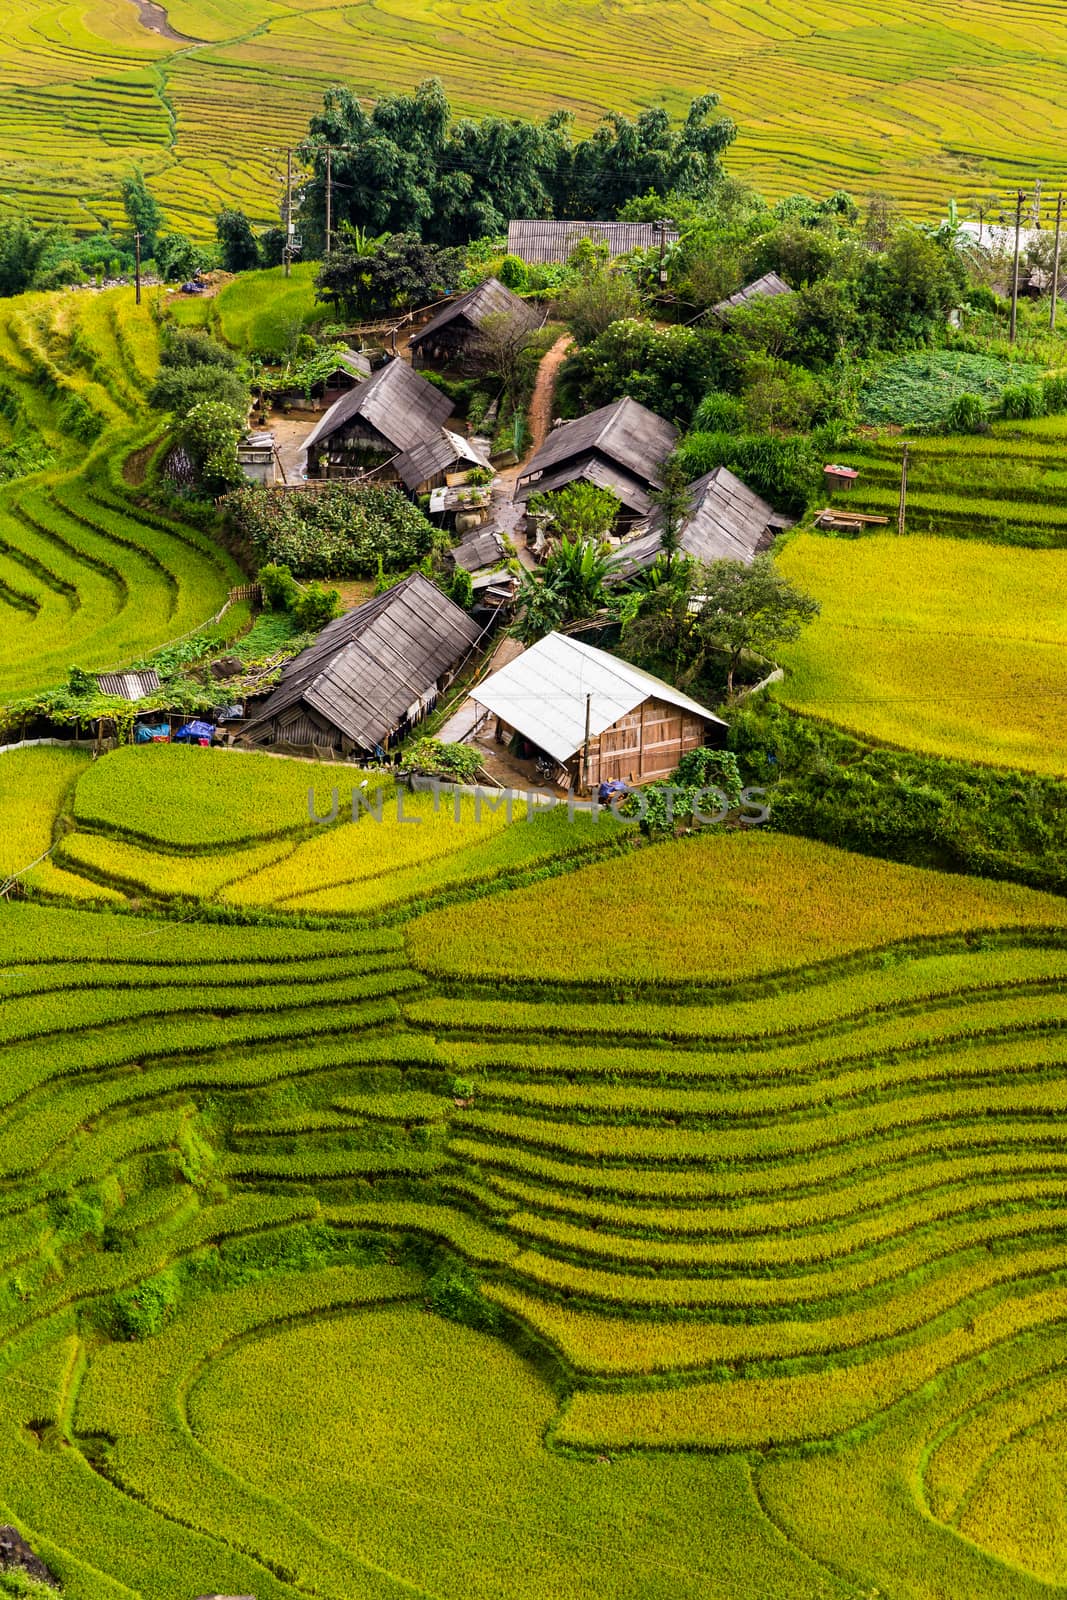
727	522
367	668
488	299
769	285
443	452
624	435
403	407
483	549
535	241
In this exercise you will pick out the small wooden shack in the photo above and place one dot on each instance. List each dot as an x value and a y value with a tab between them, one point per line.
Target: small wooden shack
535	241
370	675
389	414
597	717
455	337
621	447
727	521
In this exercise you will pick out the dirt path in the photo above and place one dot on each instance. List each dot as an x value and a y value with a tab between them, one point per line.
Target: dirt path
508	515
154	17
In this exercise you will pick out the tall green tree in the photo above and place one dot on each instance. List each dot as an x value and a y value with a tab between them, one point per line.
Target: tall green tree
238	245
143	212
22	250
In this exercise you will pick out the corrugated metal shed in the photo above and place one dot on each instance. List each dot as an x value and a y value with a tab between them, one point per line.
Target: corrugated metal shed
128	685
484	549
401	406
770	284
442	453
544	692
535	241
489	299
625	434
367	669
727	522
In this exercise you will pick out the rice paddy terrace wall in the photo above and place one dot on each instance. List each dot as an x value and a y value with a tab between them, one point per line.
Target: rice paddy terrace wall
916	105
356	1260
87	575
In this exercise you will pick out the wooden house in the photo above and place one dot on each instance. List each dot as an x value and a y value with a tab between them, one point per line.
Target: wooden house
597	717
621	447
536	242
762	289
389	414
455	337
727	521
370	675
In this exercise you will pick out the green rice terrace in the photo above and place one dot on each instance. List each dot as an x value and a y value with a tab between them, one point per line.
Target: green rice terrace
353	1259
206	93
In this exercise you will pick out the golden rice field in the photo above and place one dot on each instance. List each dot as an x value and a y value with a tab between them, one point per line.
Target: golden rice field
688	1225
945	645
919	103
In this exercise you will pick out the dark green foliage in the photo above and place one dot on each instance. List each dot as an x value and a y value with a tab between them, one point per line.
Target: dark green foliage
22	250
140	1312
453	1292
315	606
78	419
237	242
179	389
905	807
719	413
458	763
785	471
461	589
395	273
177	257
668	370
596	299
278	585
966	414
406	164
579	510
571	585
1020	402
340	532
143	213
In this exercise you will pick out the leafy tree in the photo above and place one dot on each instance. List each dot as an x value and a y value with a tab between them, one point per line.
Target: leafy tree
272	247
398	272
315	606
672	503
748	610
502	342
667	369
209	435
143	212
596	299
625	158
787	472
572	585
177	257
192	347
237	242
22	250
580	510
913	286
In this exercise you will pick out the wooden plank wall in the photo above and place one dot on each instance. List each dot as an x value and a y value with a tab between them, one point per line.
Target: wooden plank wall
646	744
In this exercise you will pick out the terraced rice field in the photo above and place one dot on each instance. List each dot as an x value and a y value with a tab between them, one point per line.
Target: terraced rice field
87	576
917	105
760	1276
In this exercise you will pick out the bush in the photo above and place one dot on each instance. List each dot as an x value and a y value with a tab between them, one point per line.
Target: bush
454	1292
1055	394
720	413
1021	402
279	587
512	274
456	762
966	414
461	589
315	607
140	1312
339	532
787	472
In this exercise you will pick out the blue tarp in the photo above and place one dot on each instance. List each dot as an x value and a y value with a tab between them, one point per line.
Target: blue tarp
611	791
195	731
149	733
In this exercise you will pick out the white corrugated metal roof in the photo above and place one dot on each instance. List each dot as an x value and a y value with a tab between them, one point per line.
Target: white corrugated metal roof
542	694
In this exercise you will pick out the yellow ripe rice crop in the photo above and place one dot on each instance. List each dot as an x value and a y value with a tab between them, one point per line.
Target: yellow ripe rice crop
716	908
953	647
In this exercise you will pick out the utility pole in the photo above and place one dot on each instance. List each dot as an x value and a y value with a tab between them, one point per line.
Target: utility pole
137	270
903	491
1019	198
588	710
1056	263
287	253
329	199
662	226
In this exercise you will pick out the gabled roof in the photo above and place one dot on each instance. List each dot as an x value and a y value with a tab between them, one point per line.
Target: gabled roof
727	521
632	491
437	454
536	241
543	694
625	433
769	284
482	549
403	407
368	667
489	299
355	362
